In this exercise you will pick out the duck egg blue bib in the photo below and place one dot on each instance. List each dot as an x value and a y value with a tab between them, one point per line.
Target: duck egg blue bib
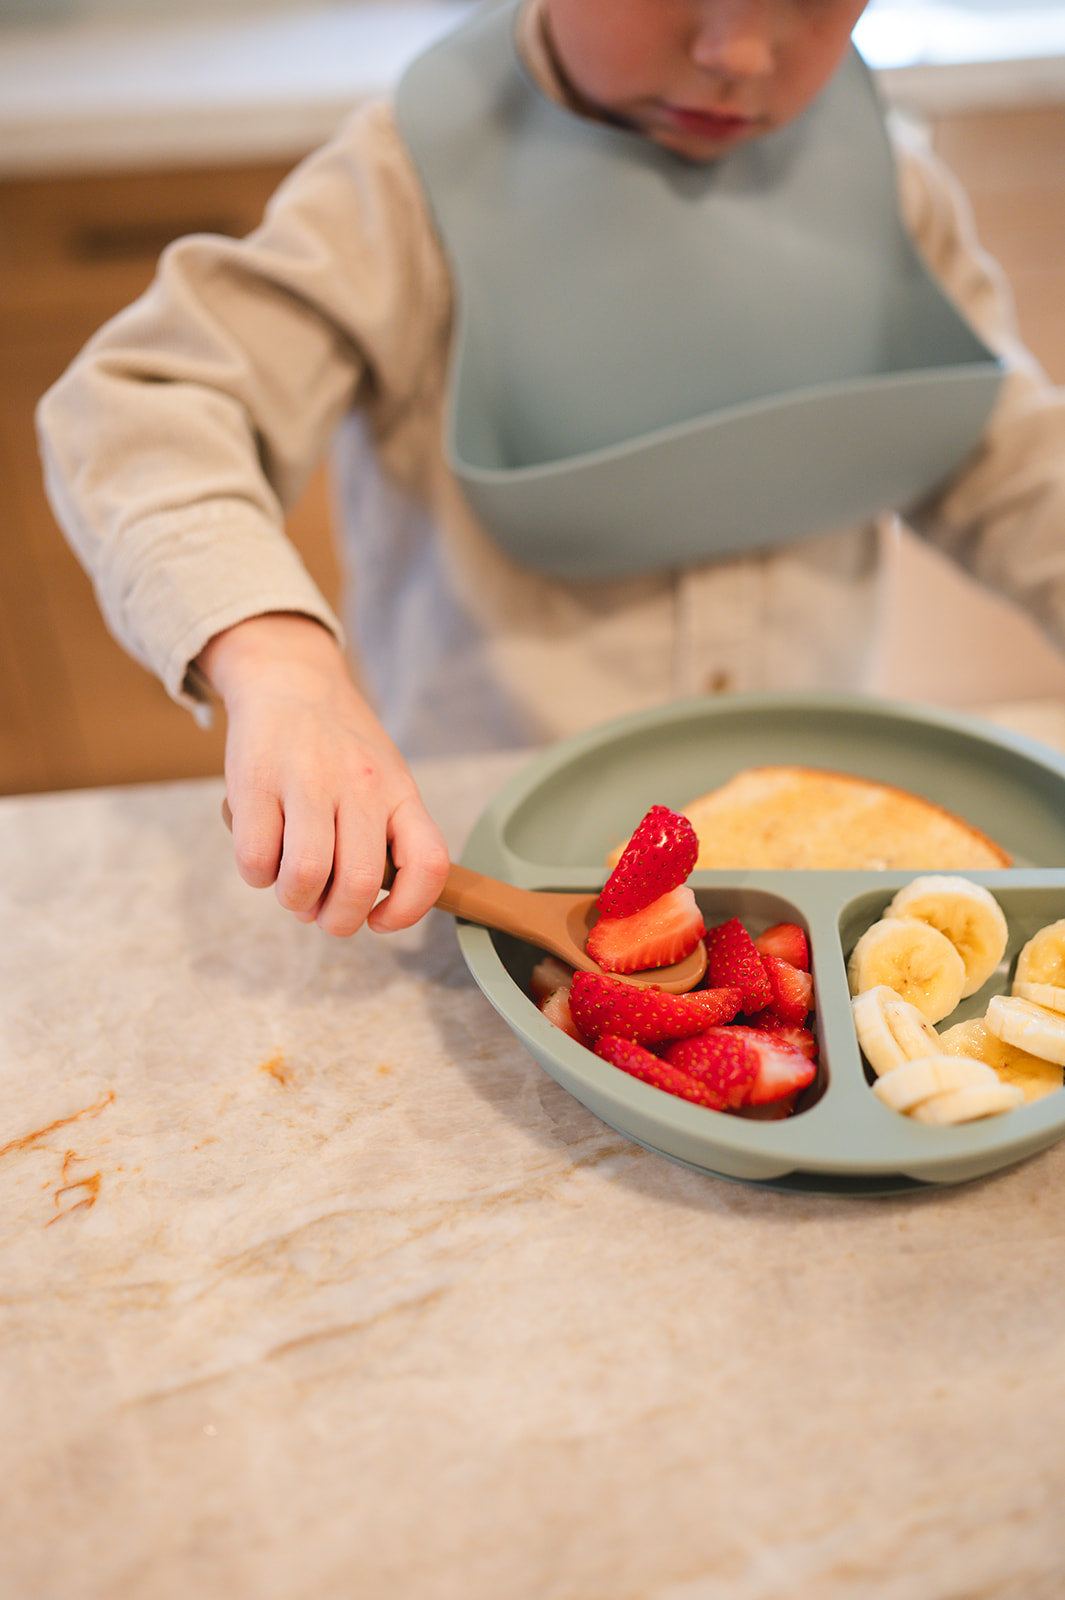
657	362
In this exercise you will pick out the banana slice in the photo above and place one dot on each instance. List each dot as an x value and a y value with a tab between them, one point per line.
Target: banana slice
970	1103
914	959
907	1087
1033	1075
1040	970
890	1030
1044	994
1028	1026
1042	959
969	916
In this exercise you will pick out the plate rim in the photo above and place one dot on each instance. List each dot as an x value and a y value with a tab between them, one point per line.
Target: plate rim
970	724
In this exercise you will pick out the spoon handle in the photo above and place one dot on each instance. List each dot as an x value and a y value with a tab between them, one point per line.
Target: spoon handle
533	915
539	917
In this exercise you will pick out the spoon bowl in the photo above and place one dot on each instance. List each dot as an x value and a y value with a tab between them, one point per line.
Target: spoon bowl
554	922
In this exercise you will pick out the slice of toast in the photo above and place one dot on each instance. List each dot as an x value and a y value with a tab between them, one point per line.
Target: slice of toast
794	818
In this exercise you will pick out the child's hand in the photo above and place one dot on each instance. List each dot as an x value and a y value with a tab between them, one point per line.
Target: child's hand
316	789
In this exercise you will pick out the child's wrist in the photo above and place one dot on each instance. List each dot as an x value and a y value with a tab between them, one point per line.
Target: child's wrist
261	642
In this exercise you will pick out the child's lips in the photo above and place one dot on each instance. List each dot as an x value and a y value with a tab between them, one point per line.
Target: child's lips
716	126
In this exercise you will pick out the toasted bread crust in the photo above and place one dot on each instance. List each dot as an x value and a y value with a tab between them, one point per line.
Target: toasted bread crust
803	817
798	818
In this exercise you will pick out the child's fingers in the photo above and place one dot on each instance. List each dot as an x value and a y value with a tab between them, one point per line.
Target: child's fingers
334	862
359	859
358	867
256	824
307	863
327	864
359	853
421	860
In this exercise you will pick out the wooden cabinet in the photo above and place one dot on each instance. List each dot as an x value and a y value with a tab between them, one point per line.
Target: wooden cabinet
74	709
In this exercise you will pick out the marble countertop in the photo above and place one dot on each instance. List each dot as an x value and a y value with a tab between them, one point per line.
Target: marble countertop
314	1286
226	85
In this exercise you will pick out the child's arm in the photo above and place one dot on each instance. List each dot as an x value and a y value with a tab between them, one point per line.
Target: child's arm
173	445
316	788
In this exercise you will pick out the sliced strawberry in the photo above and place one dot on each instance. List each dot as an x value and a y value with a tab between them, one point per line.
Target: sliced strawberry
558	1008
800	1038
549	974
722	1060
642	1063
793	990
734	963
610	1005
788	941
657	858
665	931
781	1070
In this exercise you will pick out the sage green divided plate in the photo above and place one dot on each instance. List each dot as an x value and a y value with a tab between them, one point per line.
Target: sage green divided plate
553	826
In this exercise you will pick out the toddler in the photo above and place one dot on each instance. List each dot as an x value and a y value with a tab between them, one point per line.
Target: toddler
626	320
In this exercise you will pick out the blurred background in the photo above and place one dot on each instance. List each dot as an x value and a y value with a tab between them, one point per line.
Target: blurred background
125	123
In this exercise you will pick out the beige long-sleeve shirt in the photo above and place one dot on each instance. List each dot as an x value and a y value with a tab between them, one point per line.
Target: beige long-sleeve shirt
176	439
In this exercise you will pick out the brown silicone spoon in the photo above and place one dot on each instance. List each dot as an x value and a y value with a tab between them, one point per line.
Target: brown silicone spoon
550	921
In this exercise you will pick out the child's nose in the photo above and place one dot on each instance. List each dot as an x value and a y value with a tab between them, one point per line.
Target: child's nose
735	37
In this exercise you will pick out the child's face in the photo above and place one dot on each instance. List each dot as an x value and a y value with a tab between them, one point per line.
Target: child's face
699	76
